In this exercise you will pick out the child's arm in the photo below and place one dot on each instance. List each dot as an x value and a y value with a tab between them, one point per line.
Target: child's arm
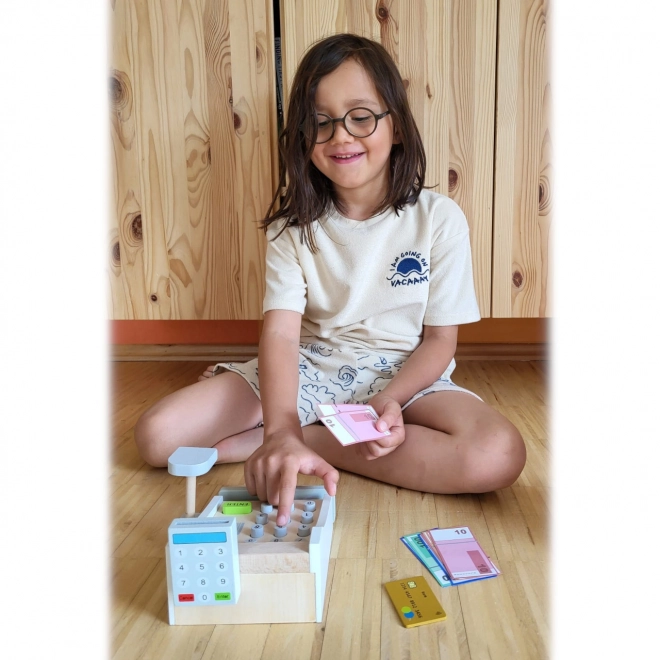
426	364
272	470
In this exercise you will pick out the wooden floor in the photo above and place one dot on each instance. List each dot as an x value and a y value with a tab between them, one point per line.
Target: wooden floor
502	618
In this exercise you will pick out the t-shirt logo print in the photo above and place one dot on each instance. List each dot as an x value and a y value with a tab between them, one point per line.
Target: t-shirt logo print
408	268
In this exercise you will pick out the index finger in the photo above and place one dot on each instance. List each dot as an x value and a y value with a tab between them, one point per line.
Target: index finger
288	482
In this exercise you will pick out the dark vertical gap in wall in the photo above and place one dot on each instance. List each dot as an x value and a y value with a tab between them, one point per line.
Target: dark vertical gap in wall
278	64
492	218
278	82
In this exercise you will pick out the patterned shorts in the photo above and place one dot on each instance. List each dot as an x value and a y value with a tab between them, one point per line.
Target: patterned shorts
333	375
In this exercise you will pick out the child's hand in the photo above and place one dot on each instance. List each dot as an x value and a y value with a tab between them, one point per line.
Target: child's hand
272	471
390	418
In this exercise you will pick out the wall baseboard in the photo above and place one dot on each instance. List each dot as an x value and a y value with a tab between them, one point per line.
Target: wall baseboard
130	332
241	353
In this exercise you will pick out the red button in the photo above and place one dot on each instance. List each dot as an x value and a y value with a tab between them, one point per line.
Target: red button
186	598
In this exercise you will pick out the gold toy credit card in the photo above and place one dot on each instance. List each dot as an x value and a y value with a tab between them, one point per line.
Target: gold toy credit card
414	601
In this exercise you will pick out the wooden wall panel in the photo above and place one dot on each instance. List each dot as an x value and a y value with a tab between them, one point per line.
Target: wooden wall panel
522	214
128	296
445	50
193	121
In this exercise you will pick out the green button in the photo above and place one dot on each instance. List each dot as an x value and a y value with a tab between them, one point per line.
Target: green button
223	596
236	508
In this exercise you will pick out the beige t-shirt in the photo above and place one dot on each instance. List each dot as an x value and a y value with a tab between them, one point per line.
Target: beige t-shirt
375	283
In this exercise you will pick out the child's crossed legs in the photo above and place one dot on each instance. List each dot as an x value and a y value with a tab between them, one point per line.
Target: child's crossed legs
454	443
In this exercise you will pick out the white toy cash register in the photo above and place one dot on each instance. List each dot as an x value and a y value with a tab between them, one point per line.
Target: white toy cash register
233	564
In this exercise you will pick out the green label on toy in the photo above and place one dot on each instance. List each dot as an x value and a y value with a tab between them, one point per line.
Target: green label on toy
223	596
236	508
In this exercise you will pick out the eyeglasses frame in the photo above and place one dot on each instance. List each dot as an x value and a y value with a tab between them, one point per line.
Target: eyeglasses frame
343	121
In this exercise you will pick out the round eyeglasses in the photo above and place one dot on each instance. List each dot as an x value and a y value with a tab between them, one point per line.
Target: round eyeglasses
359	122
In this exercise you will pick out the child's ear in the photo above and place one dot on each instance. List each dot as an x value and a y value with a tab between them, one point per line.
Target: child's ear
396	138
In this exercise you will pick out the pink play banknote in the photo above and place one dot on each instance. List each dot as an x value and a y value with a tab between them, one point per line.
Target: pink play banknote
351	423
460	553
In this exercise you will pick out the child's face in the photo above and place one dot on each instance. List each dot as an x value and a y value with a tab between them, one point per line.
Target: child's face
358	167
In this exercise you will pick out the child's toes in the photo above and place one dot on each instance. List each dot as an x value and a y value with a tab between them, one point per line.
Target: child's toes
208	373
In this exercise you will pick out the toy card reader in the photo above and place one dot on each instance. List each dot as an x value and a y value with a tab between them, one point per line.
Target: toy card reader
203	561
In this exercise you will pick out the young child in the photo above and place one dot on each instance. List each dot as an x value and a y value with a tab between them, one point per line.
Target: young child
368	275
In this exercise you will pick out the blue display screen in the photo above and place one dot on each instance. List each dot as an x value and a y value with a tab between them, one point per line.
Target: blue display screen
200	537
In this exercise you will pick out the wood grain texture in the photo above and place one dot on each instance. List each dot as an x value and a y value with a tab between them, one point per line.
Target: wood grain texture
127	295
504	618
523	185
445	51
192	114
258	602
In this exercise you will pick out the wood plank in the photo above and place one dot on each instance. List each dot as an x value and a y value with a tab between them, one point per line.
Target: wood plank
527	584
189	251
343	639
523	186
159	145
126	275
255	166
394	524
129	506
470	75
289	640
403	499
516	534
144	622
355	535
235	641
491	625
537	470
128	578
468	503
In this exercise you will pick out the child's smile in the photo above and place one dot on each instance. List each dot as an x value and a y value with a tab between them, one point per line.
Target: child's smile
358	167
344	159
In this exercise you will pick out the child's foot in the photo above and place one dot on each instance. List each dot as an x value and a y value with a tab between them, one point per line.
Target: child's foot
208	373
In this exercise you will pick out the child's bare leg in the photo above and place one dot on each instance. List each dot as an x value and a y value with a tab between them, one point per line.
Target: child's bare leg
454	444
200	415
477	451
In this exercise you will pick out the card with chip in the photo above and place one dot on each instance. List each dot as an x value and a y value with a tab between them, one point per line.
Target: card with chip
414	601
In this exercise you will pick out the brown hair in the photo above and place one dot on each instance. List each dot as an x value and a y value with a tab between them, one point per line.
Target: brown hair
310	193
